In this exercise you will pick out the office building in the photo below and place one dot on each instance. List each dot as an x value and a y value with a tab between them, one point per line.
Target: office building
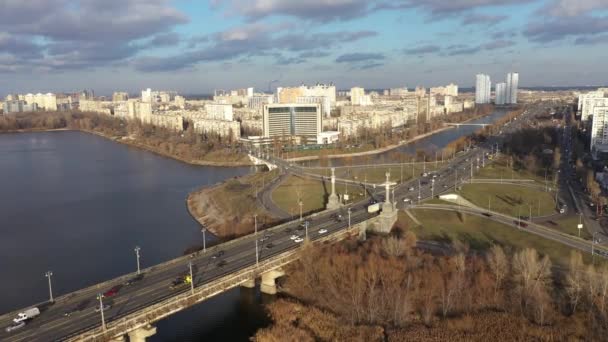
288	95
512	88
483	87
283	120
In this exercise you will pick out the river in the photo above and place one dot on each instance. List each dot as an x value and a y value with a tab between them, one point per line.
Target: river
78	204
429	144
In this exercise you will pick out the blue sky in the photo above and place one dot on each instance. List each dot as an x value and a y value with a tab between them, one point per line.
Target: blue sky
196	46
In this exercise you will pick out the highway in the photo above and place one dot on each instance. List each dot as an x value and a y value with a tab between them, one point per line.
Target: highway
51	324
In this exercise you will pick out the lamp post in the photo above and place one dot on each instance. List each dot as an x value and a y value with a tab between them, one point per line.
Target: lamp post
191	277
349	210
137	249
593	242
306	227
255	235
419	191
48	274
204	240
300	204
103	320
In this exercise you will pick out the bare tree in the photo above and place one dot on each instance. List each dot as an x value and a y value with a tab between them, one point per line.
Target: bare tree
575	279
532	278
499	268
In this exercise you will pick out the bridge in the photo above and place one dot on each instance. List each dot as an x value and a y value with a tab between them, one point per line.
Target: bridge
467	124
257	258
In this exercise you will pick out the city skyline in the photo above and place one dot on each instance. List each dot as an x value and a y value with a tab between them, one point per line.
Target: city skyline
195	48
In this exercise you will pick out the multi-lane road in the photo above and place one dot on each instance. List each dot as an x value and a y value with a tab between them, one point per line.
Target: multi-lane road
220	260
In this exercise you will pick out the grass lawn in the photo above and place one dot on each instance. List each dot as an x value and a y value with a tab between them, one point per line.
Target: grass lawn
377	174
237	196
480	233
499	169
567	224
510	199
312	193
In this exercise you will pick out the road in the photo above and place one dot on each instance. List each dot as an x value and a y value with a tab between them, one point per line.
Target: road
207	266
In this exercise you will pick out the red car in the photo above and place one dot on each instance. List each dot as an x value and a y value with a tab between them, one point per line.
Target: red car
112	292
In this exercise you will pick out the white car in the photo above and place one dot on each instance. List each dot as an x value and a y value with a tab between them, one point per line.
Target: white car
293	237
407	200
298	240
411	188
322	231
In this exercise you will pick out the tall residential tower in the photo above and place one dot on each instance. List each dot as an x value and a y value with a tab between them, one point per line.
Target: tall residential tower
483	88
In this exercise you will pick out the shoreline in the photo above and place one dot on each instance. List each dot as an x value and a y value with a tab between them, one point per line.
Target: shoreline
136	144
387	148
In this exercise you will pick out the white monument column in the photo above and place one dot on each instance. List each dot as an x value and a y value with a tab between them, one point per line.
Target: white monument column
333	201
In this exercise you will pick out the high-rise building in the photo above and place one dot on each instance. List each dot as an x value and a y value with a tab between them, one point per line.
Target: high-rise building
120	96
322	100
218	111
290	94
501	94
483	87
599	130
282	120
356	94
399	91
589	105
512	87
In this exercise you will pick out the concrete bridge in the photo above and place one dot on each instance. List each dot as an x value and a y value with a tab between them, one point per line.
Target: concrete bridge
467	124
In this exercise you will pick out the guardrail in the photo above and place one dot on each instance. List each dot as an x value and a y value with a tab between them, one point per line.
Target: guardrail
167	306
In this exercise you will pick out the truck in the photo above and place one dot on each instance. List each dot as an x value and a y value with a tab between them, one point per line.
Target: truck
374	208
26	315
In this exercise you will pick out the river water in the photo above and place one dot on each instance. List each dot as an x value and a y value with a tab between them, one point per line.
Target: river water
429	144
78	204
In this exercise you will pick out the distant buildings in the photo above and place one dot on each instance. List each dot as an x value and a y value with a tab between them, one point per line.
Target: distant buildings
258	101
483	87
512	88
18	106
291	94
449	90
587	103
120	96
358	97
398	91
221	112
321	100
501	94
285	120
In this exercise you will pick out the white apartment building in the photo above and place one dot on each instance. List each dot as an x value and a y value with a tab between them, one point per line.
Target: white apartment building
449	90
292	120
599	131
288	95
501	94
512	88
399	91
358	97
589	105
322	100
483	87
219	111
258	101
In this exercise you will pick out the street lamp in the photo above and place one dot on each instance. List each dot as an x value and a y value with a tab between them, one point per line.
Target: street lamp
349	210
191	277
137	249
103	320
255	235
48	274
300	204
204	240
419	194
306	227
593	242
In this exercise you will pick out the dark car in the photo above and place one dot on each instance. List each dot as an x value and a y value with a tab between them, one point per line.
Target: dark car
113	291
222	263
134	280
218	254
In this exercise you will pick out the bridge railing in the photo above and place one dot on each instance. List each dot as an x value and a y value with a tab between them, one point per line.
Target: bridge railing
178	302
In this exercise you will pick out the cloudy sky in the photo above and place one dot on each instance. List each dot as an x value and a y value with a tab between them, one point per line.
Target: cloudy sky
196	46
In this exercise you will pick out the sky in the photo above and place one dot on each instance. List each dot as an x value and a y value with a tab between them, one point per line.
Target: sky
194	47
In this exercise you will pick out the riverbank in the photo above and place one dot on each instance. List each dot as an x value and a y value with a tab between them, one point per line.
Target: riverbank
372	152
227	209
174	145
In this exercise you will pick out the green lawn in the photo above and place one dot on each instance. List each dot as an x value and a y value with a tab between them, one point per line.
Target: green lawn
510	199
237	196
567	224
480	233
312	193
499	169
377	174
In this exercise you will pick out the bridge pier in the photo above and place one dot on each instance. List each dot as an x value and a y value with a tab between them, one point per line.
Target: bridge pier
140	334
249	283
268	284
122	338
